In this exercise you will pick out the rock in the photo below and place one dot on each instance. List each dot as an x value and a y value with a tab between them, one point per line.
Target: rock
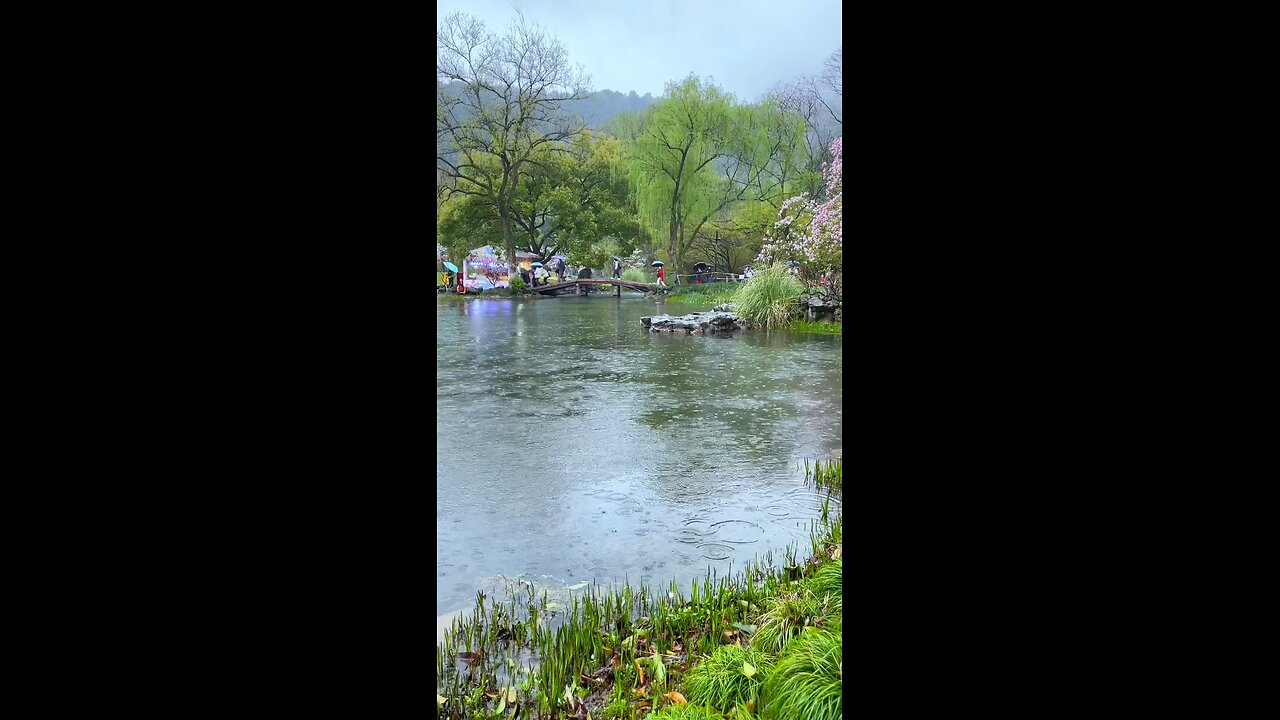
816	302
717	321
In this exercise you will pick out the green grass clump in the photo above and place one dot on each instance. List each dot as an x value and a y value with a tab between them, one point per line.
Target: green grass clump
828	474
770	298
721	679
807	680
818	327
789	614
828	580
617	710
638	275
687	712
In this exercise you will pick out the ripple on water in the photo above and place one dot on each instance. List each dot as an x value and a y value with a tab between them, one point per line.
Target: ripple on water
715	551
738	532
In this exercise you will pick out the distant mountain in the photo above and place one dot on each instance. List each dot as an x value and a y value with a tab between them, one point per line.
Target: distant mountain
597	110
605	105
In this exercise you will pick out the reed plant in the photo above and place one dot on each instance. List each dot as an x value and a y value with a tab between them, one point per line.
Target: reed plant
770	299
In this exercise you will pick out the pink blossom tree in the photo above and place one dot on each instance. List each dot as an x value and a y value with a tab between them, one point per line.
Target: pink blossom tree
810	232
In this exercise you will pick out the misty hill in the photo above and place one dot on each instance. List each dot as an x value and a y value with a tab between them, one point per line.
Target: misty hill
597	110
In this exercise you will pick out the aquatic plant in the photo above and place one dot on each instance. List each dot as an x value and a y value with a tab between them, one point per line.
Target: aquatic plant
818	327
828	475
807	680
770	298
789	614
730	676
687	712
621	649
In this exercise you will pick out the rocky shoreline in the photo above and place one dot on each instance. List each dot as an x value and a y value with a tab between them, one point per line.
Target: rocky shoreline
719	320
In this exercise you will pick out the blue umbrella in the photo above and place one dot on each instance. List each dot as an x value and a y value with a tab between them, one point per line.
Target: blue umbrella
536	264
793	263
451	266
657	263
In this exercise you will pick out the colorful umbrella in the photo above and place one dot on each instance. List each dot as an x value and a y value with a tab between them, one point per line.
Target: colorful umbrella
451	266
657	263
537	264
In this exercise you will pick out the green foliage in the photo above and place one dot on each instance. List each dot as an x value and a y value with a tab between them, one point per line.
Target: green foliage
617	710
638	275
687	712
828	580
696	153
770	298
730	676
517	285
818	327
807	680
789	614
828	474
710	294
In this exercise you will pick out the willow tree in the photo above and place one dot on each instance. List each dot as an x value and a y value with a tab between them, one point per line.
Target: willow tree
694	154
499	98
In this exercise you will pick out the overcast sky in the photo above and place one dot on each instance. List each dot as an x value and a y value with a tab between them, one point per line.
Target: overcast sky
746	45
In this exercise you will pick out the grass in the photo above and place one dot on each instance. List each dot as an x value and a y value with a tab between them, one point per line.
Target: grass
770	299
624	651
729	677
828	580
818	327
808	679
710	293
640	276
828	475
789	615
687	712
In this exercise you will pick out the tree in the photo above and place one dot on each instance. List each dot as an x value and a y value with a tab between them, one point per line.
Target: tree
732	241
499	99
811	232
691	156
816	100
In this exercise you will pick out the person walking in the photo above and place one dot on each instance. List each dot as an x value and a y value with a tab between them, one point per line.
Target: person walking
662	276
617	268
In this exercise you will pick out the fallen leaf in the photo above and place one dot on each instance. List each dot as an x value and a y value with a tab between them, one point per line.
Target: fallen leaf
641	673
748	669
440	699
579	586
568	696
501	706
641	691
675	697
745	628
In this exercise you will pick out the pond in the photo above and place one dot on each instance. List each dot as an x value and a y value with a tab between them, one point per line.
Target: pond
573	445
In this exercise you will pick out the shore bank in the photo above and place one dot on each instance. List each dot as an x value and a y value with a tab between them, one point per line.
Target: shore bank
758	643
